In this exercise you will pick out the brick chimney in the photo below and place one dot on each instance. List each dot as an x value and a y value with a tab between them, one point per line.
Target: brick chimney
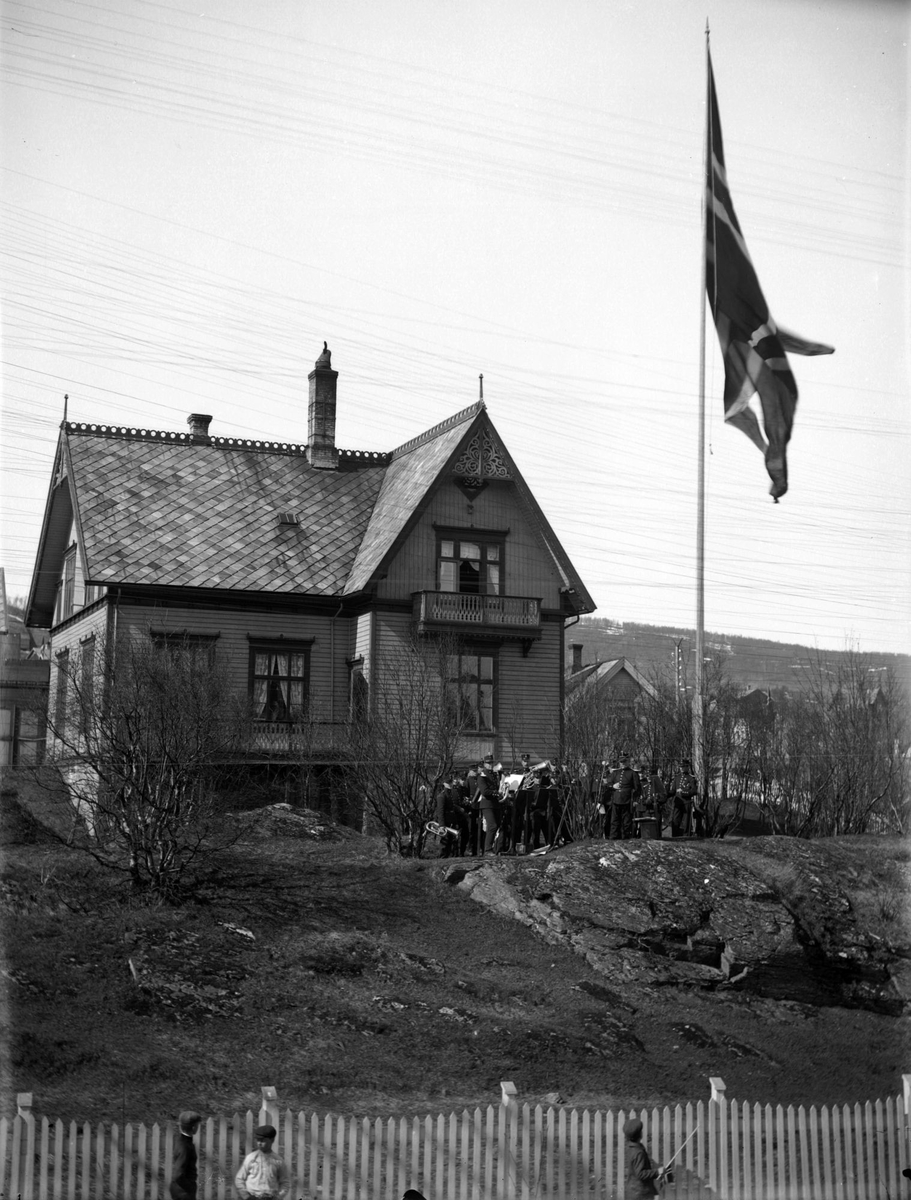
199	428
321	449
576	648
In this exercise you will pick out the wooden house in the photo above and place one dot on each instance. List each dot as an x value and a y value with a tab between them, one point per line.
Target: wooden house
306	562
604	700
24	671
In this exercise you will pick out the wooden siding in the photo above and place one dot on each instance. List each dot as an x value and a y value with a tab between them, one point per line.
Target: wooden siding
70	638
363	640
332	637
528	567
529	690
529	697
78	575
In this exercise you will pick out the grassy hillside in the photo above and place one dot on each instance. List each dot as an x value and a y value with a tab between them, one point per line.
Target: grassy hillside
362	984
752	662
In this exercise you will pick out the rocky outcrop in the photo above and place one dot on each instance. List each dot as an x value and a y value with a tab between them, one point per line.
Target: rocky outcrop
766	917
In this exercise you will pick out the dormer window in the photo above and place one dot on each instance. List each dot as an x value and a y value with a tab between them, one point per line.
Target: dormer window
288	518
473	566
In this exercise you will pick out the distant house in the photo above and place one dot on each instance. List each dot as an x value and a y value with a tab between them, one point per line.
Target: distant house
610	690
616	678
306	562
24	672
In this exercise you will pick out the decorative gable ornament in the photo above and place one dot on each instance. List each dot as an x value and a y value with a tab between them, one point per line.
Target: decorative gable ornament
481	461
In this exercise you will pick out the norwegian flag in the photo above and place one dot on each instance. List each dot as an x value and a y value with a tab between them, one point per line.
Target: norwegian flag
752	345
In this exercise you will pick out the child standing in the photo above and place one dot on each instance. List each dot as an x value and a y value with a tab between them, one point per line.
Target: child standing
262	1175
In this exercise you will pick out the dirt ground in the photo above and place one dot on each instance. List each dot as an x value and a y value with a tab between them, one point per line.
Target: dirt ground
360	984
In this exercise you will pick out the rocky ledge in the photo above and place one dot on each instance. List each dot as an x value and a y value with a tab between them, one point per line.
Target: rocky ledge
763	915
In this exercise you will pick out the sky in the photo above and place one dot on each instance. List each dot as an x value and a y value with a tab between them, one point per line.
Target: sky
196	196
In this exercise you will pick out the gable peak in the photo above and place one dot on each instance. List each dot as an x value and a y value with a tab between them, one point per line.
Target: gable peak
483	458
435	430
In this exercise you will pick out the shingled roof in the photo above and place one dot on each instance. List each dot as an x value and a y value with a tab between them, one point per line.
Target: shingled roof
208	516
178	510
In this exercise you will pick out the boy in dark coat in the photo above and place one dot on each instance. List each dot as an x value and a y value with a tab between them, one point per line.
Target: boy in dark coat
642	1178
183	1169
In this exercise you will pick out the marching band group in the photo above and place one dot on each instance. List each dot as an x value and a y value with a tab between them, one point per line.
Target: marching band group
487	810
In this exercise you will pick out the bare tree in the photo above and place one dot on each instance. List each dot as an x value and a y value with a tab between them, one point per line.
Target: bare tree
595	728
143	733
728	751
859	745
833	758
408	736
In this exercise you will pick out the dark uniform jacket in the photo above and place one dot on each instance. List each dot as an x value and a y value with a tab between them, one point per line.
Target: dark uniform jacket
445	805
488	788
630	788
685	784
640	1174
657	793
183	1172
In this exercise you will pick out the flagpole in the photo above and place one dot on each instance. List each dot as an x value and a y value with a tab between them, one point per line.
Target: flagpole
699	695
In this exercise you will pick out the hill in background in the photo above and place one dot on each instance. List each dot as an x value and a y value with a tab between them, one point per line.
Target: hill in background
751	662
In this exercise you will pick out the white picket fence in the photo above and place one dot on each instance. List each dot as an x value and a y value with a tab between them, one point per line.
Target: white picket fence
737	1151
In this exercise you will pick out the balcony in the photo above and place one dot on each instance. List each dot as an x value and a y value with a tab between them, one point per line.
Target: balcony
303	741
464	612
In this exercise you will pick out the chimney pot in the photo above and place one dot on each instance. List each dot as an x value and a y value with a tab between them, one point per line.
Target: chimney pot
199	427
321	448
576	648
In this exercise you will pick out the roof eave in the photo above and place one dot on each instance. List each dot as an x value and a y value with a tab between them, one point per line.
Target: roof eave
39	609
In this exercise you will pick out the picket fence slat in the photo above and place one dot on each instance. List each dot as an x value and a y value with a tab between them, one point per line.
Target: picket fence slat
57	1184
896	1113
851	1192
841	1180
737	1151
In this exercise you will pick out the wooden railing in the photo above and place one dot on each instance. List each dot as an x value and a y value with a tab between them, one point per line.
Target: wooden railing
508	1151
503	613
304	739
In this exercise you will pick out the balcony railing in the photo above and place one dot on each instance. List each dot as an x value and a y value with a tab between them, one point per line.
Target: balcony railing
304	740
516	615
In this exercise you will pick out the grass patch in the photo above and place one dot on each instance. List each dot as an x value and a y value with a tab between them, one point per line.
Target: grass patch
369	988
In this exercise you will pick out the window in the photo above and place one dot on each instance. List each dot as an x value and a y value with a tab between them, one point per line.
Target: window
63	672
278	681
87	685
181	645
470	566
360	695
67	587
472	683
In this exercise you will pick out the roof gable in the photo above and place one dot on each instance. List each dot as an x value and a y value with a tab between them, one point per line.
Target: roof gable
59	513
410	477
597	675
468	448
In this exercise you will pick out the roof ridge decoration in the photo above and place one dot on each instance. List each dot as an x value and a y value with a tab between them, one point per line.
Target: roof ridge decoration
435	430
482	459
377	458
